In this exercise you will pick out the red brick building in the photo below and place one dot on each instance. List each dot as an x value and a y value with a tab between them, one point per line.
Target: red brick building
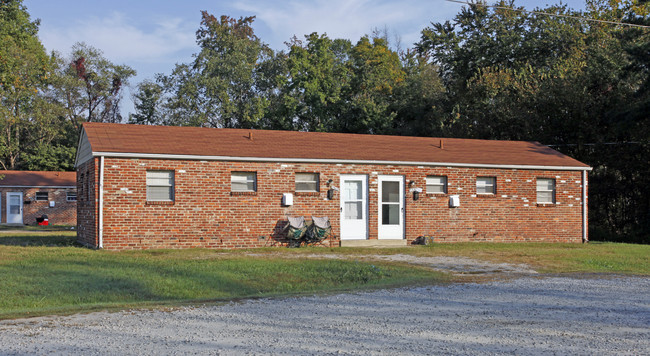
179	187
26	195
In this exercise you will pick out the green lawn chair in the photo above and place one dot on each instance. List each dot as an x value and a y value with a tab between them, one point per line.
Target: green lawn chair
296	230
319	230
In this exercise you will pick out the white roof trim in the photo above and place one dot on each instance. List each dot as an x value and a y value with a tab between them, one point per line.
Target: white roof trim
334	161
39	186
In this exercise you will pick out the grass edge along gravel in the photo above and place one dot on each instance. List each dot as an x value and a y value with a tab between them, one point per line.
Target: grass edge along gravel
44	280
31	263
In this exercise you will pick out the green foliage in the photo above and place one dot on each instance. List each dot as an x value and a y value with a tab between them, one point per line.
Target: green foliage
148	104
221	88
571	84
88	86
24	70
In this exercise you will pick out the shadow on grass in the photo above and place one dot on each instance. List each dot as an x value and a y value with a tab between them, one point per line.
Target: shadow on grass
36	228
39	240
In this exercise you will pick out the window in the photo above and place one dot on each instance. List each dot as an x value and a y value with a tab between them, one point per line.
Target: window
81	186
71	196
437	184
243	182
307	182
486	185
545	190
160	185
41	196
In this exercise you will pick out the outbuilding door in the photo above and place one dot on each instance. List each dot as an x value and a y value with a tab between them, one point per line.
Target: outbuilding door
391	207
14	208
354	207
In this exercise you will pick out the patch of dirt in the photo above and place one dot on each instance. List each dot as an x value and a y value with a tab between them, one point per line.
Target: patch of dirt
453	265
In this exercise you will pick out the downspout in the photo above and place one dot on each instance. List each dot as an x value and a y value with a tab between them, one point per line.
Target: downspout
100	243
584	207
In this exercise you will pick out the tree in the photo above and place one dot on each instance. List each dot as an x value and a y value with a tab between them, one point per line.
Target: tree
317	76
24	71
222	86
419	101
148	104
568	83
89	86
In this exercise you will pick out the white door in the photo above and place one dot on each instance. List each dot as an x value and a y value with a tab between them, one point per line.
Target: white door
391	207
15	208
354	207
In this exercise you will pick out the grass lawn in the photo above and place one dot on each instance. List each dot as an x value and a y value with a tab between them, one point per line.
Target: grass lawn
594	257
46	273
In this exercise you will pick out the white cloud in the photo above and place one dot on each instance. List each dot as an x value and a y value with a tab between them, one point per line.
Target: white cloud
121	40
345	18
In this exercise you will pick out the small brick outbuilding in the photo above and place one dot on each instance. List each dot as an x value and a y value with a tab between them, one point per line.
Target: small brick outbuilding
177	187
26	195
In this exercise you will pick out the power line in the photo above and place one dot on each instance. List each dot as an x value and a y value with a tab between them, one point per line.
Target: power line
550	14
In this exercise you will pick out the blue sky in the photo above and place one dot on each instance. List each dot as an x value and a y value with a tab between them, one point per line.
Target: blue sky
152	36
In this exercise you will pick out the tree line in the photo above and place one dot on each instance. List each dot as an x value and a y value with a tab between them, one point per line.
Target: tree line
580	86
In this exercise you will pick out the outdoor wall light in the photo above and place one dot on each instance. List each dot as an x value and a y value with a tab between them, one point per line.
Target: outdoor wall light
416	191
330	191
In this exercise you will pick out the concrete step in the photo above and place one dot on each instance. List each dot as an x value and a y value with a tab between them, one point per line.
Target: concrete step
373	243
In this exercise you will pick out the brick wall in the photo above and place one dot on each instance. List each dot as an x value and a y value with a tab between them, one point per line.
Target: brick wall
206	214
63	213
87	228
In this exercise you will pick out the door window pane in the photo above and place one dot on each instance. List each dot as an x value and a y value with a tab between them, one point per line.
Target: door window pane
14	205
353	210
352	190
390	192
390	214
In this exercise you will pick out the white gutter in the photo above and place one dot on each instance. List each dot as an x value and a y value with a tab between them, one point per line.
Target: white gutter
100	242
584	207
333	161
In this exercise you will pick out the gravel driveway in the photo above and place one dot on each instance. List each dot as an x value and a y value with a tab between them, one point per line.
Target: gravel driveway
524	316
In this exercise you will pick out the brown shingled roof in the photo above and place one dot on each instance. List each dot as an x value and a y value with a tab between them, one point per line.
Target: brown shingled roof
198	141
38	178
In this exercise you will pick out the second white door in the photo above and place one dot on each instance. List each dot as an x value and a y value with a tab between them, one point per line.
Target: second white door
391	207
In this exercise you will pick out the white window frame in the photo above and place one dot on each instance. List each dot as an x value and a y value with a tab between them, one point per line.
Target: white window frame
309	178
47	196
70	194
486	182
545	190
170	184
431	183
243	177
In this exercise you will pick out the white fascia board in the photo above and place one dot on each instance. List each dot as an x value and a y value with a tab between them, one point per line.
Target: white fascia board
40	186
333	161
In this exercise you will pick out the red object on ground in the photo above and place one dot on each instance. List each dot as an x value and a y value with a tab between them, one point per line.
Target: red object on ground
44	222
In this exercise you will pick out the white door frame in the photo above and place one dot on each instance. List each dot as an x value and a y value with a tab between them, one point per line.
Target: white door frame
354	229
8	206
393	231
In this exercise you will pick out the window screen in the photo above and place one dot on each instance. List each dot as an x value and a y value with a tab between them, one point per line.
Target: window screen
436	184
306	182
545	190
160	185
243	181
486	185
